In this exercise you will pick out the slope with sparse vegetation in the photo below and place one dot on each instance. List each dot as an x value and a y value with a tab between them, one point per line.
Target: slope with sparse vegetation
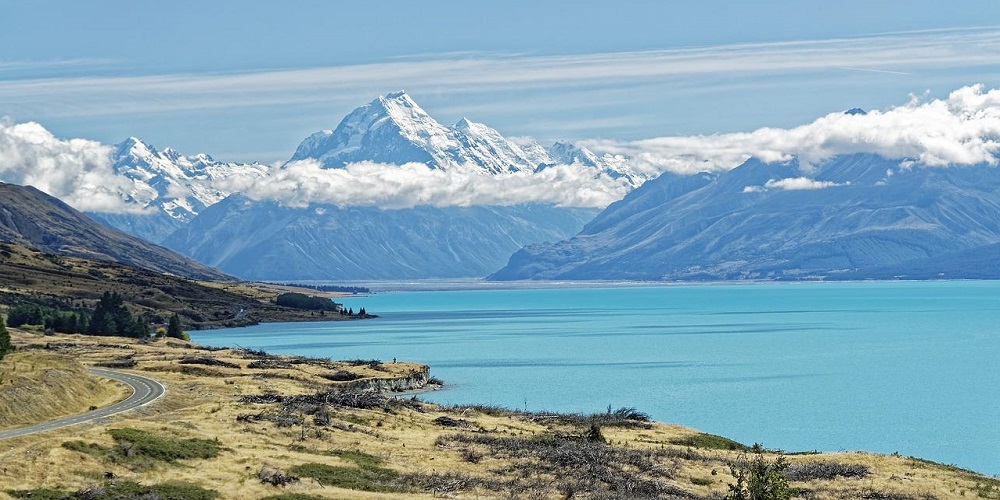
67	286
239	423
36	386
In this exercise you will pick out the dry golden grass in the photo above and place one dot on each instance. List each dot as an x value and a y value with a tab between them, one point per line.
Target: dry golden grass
406	440
39	386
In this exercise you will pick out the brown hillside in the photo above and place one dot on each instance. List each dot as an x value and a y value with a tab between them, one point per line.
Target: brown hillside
34	219
33	277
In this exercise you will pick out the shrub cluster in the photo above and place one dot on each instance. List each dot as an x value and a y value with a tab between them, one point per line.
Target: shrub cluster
309	302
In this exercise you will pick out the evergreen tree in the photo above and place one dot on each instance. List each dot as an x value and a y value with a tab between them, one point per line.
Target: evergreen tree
4	341
140	328
174	327
111	317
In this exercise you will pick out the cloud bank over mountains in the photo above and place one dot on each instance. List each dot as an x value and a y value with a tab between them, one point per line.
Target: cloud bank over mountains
77	171
963	129
300	183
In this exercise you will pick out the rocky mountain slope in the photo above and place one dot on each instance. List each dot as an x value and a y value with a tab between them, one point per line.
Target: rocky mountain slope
265	240
855	216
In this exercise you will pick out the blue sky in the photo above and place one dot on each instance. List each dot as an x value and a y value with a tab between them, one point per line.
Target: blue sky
248	80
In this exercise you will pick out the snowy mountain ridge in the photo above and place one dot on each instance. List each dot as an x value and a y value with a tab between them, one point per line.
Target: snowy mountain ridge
394	129
179	185
171	187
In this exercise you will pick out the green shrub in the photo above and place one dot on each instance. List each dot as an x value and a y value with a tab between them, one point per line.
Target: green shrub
369	478
118	490
40	494
303	301
711	442
759	479
135	442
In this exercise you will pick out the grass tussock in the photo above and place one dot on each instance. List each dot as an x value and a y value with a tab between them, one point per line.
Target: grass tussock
358	458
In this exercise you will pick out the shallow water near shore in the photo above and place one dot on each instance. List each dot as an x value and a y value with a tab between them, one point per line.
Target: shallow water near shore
908	367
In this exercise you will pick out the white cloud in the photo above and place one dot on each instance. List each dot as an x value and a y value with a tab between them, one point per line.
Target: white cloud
403	186
486	74
963	129
799	184
77	171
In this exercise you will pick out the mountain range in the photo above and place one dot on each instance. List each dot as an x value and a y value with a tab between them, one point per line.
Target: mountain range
185	209
262	239
853	217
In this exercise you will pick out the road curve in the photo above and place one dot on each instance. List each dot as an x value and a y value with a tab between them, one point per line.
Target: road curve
144	391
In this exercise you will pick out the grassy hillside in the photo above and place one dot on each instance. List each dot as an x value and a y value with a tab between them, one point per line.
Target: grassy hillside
37	386
242	424
34	219
32	276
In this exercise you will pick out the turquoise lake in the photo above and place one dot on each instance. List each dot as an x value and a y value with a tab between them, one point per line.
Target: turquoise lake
908	367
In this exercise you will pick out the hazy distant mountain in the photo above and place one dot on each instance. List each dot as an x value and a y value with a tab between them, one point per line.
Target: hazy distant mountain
265	240
855	216
34	219
394	129
174	188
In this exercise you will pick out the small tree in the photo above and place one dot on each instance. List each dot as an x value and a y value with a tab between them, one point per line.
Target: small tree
4	340
758	479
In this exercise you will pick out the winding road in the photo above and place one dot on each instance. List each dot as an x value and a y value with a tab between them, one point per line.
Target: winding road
144	391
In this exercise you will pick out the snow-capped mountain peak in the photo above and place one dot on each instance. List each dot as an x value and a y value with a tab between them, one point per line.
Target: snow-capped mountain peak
394	129
564	152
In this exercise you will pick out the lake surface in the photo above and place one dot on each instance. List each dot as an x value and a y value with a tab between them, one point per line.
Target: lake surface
908	367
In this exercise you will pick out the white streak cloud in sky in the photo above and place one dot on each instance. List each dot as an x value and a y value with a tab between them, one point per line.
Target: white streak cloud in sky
963	129
403	186
77	171
486	74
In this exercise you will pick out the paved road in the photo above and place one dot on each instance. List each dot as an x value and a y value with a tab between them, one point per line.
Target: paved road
144	391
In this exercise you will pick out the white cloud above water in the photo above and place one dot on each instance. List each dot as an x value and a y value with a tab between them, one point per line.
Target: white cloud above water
963	129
